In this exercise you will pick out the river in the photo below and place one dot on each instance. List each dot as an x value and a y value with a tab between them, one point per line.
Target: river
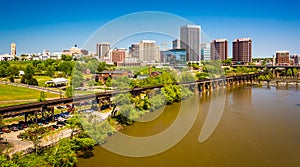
258	127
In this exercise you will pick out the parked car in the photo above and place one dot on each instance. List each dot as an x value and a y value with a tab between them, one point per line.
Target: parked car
1	131
61	123
54	126
14	128
24	126
60	107
20	127
22	136
6	130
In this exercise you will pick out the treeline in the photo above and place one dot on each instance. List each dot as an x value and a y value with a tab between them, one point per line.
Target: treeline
63	154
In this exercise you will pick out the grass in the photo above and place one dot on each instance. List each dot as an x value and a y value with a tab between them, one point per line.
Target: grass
6	104
10	93
42	79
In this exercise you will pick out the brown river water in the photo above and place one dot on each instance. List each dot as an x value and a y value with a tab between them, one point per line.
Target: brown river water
259	127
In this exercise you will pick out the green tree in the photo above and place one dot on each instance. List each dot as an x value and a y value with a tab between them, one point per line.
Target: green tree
61	155
122	82
69	92
4	68
39	68
289	72
77	78
4	162
102	66
74	123
50	70
83	144
108	82
66	67
35	134
187	77
227	62
66	57
122	99
13	71
27	78
295	72
42	97
92	65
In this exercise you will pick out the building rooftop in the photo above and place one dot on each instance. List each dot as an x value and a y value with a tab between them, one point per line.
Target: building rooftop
242	39
221	40
191	26
147	41
282	51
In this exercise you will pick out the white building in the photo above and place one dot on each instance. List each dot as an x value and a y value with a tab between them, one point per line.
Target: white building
149	52
6	57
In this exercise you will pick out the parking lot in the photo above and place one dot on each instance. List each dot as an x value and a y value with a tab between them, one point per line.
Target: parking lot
13	133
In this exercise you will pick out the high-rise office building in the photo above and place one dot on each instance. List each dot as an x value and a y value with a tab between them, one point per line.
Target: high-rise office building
190	41
13	49
282	58
134	50
176	44
205	51
242	51
148	51
102	50
219	49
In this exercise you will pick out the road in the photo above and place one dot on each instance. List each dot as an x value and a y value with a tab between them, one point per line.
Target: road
31	87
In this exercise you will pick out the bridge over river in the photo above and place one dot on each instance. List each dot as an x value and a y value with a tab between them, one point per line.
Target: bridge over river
203	85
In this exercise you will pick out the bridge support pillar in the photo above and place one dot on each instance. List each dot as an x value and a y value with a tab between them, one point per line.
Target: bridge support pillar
52	113
203	87
210	84
25	117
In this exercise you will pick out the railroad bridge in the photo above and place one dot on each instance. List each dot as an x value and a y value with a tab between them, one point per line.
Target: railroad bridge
35	108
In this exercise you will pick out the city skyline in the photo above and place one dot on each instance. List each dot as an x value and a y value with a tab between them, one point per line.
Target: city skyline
56	27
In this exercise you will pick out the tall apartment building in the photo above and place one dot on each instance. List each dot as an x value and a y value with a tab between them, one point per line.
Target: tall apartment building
118	55
102	50
190	41
242	51
205	51
219	49
282	58
148	51
13	49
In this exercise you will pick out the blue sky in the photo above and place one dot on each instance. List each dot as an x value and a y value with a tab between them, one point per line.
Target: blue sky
56	25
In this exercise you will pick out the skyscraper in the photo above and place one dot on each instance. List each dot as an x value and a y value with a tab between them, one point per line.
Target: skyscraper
219	49
134	50
147	51
102	50
242	51
13	49
190	41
